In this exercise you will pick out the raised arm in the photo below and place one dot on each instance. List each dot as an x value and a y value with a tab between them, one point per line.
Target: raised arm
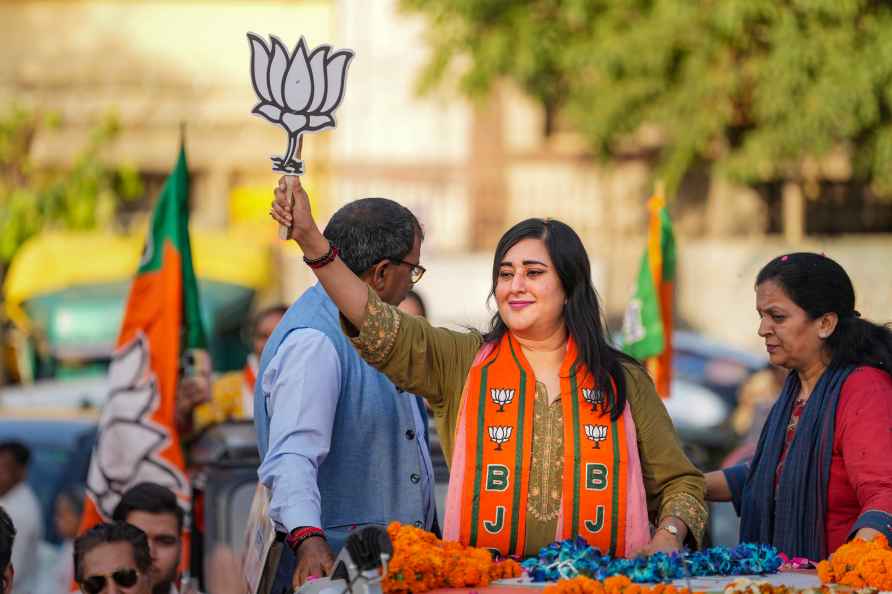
346	289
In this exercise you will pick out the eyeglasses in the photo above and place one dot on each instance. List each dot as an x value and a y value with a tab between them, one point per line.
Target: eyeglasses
125	578
415	271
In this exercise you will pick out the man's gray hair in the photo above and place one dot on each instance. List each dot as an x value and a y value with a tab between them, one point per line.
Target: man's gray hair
369	230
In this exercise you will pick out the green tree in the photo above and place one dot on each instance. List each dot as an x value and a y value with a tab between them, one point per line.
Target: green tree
81	195
761	89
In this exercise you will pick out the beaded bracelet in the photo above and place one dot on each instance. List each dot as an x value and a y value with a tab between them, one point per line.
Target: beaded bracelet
299	535
324	260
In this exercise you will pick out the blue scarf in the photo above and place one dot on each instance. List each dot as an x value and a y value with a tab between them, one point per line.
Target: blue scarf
794	520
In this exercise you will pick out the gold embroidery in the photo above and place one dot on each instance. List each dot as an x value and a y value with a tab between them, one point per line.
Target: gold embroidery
689	510
377	336
546	471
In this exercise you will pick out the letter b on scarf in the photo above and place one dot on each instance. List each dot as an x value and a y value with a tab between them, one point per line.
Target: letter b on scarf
595	476
496	477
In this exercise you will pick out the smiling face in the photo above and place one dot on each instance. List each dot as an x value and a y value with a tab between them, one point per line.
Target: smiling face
792	339
528	291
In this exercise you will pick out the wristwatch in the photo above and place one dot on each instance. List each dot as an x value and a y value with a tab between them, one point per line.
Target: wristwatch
670	528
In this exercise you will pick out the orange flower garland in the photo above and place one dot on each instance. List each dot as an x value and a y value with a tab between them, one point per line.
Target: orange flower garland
860	564
618	584
422	562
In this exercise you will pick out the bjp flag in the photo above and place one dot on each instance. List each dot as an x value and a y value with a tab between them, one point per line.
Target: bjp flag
137	438
647	325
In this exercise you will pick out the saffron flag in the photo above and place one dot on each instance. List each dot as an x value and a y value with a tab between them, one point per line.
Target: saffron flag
647	324
137	437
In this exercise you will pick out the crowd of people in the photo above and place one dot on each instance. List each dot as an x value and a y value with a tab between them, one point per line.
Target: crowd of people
549	431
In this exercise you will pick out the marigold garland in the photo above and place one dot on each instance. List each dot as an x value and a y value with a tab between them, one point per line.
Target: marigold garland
618	584
860	564
422	562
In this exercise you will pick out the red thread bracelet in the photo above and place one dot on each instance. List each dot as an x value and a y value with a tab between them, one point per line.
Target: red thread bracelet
324	260
299	535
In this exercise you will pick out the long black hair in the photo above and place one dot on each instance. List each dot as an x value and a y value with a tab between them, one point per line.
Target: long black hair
819	286
582	312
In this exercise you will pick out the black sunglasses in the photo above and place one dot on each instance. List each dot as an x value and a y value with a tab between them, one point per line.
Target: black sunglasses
415	271
126	578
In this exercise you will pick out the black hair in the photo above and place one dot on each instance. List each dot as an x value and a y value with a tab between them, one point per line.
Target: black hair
151	498
19	451
110	533
414	296
819	286
7	538
369	230
582	313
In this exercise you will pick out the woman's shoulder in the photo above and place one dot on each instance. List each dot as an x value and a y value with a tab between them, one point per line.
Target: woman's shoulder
635	372
638	382
864	385
868	376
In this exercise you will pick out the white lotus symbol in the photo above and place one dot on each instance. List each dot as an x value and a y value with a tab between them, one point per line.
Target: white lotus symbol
593	396
499	435
596	433
128	444
299	92
501	397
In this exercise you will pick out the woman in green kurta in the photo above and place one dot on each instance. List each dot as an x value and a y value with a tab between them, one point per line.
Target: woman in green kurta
547	307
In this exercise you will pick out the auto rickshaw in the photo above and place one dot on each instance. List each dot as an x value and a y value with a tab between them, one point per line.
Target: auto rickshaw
65	294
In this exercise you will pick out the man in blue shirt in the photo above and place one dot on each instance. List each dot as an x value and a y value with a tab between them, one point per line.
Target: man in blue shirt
341	446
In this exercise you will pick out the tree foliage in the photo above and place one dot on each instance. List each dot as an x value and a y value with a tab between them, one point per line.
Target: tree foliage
81	195
763	90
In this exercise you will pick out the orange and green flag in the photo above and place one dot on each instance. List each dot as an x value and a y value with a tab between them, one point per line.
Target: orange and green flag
647	325
138	439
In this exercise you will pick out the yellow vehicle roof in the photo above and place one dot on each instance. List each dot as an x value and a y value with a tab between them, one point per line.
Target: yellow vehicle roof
57	260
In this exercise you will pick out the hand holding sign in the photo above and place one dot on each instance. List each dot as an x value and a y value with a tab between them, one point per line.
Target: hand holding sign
298	91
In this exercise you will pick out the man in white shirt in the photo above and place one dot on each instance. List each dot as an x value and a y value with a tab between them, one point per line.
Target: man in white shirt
7	537
19	501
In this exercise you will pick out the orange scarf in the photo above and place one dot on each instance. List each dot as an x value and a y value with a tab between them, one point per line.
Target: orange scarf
499	397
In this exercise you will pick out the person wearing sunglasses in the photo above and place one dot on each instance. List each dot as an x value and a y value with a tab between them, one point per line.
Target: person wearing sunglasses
112	559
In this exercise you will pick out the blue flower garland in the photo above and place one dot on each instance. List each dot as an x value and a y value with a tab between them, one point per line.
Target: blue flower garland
570	558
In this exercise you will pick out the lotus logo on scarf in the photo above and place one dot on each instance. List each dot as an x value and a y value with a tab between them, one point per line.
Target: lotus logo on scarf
499	435
596	433
501	397
592	396
299	91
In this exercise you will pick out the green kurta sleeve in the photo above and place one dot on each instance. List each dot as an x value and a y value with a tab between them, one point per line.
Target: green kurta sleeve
673	484
419	358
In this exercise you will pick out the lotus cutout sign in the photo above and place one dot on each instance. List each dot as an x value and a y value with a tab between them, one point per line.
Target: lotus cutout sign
298	91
